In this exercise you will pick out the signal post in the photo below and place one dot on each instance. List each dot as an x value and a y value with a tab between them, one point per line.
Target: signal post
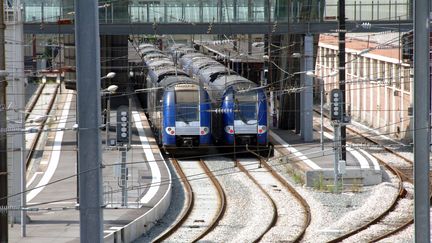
338	119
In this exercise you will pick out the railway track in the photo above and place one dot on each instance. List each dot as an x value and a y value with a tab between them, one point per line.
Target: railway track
193	224
33	101
248	212
403	171
288	206
30	109
264	191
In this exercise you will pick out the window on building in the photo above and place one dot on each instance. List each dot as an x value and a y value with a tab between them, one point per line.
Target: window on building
407	79
397	77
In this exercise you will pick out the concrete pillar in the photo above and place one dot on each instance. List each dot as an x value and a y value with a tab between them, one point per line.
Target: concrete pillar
393	109
15	89
371	98
306	125
359	84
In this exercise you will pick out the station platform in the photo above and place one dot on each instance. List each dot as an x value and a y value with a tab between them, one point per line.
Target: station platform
315	164
52	189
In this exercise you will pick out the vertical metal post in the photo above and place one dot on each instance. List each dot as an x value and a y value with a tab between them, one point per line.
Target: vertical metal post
3	137
342	31
235	11
124	178
321	83
23	182
336	141
201	11
107	120
219	9
250	19
89	120
421	121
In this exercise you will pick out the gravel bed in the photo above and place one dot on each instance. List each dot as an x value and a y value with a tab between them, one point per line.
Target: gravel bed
404	208
172	214
333	214
402	213
291	214
248	211
407	235
205	203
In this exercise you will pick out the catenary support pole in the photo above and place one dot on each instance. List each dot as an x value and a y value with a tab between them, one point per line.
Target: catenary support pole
421	121
3	134
342	30
307	92
89	120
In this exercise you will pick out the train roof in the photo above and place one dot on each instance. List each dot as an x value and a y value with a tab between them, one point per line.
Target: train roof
156	63
192	55
154	55
149	50
212	72
145	45
157	75
236	81
200	64
169	81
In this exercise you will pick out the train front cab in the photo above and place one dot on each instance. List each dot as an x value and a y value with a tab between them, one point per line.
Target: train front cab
186	119
244	117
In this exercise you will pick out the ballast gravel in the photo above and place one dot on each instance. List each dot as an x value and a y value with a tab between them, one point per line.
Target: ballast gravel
248	210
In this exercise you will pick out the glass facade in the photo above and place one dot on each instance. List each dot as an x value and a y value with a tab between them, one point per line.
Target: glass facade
220	11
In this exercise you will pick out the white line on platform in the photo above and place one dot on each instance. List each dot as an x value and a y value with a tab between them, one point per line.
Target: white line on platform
374	161
55	154
364	164
33	178
156	174
297	153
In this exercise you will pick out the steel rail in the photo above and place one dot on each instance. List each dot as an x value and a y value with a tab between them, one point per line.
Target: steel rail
33	145
275	212
190	202
297	195
222	201
33	101
403	175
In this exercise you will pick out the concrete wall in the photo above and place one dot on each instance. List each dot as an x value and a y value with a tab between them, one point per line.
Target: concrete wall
144	223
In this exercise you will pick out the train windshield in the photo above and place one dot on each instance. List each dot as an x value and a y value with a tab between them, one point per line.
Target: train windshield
187	109
246	108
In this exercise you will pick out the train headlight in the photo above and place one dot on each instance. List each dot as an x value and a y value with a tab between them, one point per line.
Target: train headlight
170	130
204	130
229	129
262	129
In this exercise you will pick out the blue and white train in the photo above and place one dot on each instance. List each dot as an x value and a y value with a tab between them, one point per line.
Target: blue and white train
178	106
240	105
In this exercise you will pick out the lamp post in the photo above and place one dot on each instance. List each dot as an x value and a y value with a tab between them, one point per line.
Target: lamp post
107	92
321	84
